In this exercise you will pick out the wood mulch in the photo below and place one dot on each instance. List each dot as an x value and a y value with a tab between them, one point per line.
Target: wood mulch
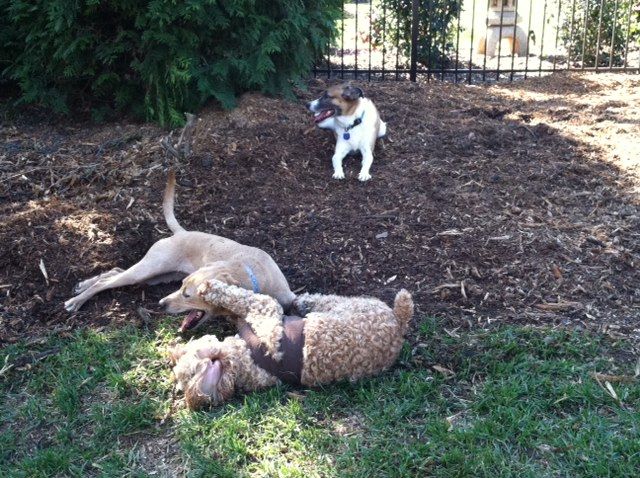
511	203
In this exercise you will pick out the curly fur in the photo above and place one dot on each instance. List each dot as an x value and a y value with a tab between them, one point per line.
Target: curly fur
261	312
351	337
345	338
239	373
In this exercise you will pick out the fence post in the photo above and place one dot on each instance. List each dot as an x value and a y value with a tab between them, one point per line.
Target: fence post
414	39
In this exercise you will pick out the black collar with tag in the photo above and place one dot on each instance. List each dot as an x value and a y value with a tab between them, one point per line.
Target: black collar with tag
346	135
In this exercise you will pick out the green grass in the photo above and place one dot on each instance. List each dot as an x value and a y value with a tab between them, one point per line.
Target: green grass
520	402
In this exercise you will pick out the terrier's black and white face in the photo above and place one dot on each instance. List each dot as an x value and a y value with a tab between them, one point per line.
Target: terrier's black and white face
336	101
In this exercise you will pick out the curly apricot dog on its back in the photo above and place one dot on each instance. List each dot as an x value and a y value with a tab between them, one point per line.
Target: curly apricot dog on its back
337	338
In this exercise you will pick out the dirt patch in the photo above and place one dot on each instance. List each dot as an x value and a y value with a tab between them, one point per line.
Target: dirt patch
158	454
515	202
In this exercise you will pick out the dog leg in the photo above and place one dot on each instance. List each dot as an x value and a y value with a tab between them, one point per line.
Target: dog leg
262	312
342	149
367	160
237	300
304	303
85	284
159	260
139	273
166	278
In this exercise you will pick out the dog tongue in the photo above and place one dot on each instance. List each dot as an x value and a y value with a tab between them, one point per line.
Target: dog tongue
213	374
322	116
190	320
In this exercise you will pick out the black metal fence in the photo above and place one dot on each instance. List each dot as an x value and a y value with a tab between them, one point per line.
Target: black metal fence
481	40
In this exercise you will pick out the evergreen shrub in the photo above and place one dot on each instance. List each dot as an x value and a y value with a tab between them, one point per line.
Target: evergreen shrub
158	58
598	33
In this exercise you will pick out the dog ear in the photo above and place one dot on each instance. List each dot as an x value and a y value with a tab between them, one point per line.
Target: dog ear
175	353
352	93
228	279
194	399
218	275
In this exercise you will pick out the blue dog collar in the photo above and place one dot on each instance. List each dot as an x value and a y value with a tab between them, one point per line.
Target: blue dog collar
254	279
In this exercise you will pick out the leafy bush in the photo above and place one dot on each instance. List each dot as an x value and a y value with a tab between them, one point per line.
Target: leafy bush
158	58
613	20
7	41
435	33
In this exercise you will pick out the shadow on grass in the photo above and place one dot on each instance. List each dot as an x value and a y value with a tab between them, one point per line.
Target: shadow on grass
519	401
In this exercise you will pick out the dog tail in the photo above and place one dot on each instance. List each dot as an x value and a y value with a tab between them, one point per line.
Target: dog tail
382	129
167	203
403	308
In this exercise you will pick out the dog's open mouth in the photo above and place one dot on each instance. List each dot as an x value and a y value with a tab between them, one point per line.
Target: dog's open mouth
323	115
192	319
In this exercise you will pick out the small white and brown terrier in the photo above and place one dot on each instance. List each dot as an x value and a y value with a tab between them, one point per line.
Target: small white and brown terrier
355	122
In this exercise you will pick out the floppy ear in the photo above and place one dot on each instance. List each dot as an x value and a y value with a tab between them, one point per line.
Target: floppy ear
228	279
220	270
221	276
175	353
352	93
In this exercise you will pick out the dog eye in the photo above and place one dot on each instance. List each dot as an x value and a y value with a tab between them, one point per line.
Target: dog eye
185	295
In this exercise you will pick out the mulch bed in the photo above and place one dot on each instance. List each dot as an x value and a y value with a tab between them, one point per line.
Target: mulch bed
490	204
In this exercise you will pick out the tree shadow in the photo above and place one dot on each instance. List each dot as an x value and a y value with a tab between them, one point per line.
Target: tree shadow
488	204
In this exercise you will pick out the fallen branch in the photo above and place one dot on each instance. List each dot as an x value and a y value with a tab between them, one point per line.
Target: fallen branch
604	377
184	143
6	367
168	147
40	168
182	149
26	361
607	387
450	232
558	306
499	238
452	285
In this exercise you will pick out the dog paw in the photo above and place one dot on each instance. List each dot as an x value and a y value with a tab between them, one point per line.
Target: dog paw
364	176
338	175
71	306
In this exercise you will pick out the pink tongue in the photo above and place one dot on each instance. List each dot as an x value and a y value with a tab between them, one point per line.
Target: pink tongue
212	375
190	320
322	116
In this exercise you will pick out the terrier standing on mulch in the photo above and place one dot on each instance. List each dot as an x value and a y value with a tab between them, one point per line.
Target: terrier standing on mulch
355	122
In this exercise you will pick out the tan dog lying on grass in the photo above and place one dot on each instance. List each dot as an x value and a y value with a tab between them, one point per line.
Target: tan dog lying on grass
203	256
336	338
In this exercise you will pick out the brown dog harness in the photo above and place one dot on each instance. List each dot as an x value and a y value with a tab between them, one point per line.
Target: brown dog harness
289	369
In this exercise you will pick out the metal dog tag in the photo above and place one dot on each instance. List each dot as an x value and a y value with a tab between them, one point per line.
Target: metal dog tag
346	136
